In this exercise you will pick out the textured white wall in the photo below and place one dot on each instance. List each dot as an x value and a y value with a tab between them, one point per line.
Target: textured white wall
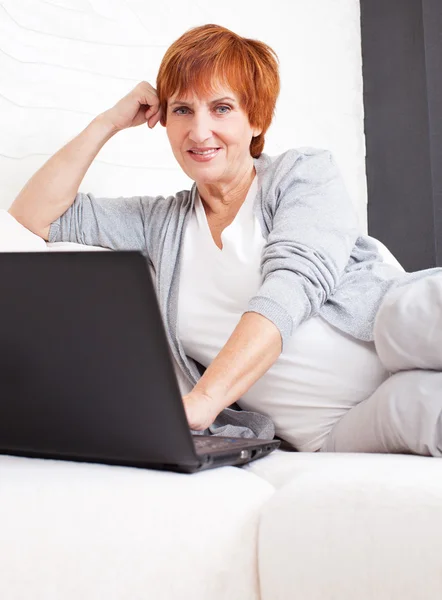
64	61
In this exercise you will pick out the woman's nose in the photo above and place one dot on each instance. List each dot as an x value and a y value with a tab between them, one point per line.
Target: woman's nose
200	128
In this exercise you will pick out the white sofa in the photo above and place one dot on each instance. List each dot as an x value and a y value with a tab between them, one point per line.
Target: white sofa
289	526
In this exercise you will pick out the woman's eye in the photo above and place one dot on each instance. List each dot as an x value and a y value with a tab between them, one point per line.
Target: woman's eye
178	109
222	108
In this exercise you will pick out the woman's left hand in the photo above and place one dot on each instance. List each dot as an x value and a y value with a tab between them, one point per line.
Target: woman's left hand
201	410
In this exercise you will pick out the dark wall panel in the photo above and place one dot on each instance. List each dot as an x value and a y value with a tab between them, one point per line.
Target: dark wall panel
432	19
401	209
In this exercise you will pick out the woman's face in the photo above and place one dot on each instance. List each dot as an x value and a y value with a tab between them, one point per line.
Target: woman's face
210	137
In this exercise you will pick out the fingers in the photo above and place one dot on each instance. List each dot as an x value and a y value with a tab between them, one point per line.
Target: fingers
199	410
153	116
147	95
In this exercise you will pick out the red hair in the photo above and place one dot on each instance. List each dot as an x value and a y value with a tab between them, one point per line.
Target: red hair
209	55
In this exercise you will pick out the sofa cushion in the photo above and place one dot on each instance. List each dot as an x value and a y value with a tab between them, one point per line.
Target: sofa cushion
351	526
281	467
75	530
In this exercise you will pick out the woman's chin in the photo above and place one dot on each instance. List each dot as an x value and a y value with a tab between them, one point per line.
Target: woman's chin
204	174
205	180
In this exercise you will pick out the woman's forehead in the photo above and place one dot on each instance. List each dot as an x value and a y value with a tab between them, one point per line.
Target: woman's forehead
216	92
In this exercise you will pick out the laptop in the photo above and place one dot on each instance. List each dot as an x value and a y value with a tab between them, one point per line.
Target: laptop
86	372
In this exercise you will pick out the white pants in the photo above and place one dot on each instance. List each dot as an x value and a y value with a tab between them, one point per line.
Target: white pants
404	414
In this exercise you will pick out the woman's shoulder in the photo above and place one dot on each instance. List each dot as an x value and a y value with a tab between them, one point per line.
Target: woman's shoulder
305	165
294	154
305	158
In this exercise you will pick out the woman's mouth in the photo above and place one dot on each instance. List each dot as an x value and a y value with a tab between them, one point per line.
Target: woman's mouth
204	155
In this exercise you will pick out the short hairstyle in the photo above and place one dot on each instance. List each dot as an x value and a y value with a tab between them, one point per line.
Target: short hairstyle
209	55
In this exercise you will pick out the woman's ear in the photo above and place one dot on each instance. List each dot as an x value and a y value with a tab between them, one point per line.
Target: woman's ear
256	132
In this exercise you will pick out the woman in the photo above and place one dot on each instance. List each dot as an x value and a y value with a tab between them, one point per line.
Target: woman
262	275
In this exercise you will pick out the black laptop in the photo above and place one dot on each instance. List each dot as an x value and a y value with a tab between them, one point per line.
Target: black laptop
86	372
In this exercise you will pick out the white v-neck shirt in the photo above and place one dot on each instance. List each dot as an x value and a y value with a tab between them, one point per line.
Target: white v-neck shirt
321	373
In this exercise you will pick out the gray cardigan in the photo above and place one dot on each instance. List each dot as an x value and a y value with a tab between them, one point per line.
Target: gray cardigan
314	261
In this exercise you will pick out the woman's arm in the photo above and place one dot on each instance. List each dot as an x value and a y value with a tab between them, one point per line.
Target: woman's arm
53	188
251	350
312	233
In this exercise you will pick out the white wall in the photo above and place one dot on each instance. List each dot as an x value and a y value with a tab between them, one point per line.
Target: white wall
64	61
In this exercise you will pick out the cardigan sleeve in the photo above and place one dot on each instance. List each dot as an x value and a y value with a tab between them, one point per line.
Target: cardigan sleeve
115	223
309	244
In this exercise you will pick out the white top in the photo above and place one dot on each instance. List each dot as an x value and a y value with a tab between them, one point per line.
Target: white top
321	372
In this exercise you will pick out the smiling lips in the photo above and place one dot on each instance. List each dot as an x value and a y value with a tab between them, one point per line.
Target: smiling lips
203	154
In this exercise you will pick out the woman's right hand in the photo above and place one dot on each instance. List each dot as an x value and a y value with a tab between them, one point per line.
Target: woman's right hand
139	106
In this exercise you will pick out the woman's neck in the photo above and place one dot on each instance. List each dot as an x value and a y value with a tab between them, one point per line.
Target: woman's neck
223	200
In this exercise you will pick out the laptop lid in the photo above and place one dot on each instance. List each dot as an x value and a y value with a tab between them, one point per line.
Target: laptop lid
83	350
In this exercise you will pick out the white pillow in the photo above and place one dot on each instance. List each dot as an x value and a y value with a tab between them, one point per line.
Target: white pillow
16	238
388	257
